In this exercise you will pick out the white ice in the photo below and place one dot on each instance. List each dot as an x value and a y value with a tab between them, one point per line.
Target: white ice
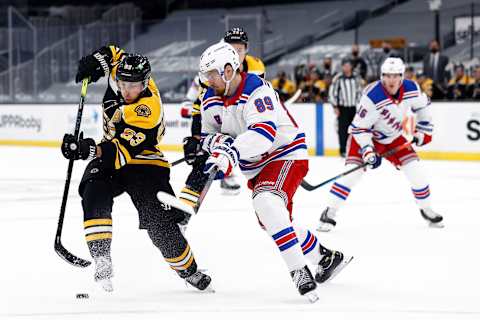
402	269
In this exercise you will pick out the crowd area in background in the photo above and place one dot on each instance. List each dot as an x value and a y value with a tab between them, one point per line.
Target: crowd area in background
438	77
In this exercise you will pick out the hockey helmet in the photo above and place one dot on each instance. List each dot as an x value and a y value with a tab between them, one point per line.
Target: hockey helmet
134	68
217	57
236	35
393	66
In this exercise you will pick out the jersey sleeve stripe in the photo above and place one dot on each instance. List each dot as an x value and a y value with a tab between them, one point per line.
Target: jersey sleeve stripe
266	129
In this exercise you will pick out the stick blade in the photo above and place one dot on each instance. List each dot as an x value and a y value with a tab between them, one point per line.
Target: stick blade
307	186
69	257
173	201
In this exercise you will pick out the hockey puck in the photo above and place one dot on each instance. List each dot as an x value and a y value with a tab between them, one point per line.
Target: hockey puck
82	295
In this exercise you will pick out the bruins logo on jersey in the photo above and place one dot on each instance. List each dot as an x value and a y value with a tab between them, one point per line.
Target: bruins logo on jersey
143	111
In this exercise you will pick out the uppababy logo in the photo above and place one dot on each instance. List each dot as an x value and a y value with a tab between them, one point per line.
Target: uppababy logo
21	122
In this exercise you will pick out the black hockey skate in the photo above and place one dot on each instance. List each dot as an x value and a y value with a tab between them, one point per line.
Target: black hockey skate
327	221
434	219
303	280
330	265
200	280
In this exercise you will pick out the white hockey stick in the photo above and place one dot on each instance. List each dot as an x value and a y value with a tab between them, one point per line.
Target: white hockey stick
294	98
180	205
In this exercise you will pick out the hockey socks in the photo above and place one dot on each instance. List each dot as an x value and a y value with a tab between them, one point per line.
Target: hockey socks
418	183
274	216
189	196
340	190
98	233
312	248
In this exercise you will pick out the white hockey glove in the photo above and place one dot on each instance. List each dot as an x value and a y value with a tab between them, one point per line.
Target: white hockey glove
371	158
214	140
224	157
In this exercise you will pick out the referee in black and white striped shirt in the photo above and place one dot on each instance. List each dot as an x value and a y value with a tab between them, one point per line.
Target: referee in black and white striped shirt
344	93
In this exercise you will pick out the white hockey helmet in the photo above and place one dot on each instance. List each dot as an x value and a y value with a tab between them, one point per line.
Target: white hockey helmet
393	66
216	57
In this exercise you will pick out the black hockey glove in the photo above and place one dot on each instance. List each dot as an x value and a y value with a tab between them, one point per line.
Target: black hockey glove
84	149
191	148
95	65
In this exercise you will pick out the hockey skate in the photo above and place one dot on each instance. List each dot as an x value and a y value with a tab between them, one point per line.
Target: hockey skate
104	273
229	186
330	265
327	221
201	281
433	218
305	284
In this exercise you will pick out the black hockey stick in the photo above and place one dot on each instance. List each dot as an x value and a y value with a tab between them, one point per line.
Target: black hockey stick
59	248
307	186
174	163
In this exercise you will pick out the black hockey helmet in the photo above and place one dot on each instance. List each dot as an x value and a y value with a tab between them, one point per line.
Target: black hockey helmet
236	35
134	68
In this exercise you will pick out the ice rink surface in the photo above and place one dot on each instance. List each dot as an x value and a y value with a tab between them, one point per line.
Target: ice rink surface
402	269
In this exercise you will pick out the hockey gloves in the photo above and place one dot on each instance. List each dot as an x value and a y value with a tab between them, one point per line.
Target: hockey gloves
186	109
423	133
214	140
84	149
371	158
95	65
191	148
224	157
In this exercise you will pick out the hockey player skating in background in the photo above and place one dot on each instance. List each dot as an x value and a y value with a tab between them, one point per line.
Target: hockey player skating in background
238	38
376	128
128	160
243	123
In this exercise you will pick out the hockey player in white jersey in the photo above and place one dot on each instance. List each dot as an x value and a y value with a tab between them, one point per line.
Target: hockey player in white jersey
243	123
376	128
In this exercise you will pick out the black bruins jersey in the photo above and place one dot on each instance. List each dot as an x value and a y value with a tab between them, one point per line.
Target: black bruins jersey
136	129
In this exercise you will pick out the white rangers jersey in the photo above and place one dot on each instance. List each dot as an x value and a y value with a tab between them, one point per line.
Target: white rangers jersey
262	128
380	116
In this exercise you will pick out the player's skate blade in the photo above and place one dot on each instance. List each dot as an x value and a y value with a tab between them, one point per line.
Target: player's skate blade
434	219
327	222
200	281
229	186
311	296
330	266
303	280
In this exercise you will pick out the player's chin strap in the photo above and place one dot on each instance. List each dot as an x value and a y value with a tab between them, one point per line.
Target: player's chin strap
227	83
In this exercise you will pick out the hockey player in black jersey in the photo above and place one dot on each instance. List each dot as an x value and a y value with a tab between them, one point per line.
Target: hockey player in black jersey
128	160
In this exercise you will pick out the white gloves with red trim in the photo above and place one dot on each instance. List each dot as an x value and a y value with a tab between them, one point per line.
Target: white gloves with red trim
214	140
224	157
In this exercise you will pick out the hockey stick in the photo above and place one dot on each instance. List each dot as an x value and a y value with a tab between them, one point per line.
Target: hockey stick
59	248
174	163
294	98
307	186
177	203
